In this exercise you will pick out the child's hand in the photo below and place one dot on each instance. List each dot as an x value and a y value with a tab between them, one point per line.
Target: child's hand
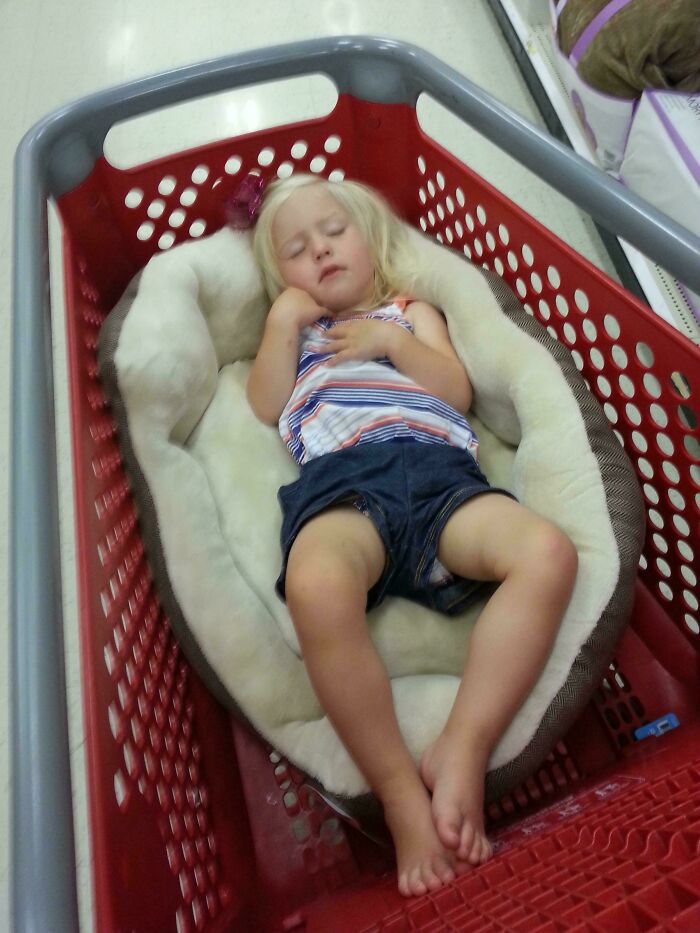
363	340
295	306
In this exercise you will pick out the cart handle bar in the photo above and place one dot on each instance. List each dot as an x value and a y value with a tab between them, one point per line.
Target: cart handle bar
56	155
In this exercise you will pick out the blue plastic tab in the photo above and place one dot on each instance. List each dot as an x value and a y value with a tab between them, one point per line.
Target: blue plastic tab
658	727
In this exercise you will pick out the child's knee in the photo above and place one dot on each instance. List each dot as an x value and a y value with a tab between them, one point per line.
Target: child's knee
551	552
320	578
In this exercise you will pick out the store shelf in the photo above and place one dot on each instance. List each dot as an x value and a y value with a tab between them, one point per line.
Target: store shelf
532	47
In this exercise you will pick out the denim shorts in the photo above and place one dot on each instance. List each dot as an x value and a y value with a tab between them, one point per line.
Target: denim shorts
409	490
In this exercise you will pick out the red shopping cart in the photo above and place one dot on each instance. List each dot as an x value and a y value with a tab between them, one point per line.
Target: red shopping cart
195	824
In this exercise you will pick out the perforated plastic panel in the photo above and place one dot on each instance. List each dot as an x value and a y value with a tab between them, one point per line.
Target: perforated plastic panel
198	828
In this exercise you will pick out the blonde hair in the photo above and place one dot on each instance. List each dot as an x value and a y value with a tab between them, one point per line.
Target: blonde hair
379	226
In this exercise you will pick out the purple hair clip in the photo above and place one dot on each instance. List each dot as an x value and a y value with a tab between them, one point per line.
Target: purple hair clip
242	207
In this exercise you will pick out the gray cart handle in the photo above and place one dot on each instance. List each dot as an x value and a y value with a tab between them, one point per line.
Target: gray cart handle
55	156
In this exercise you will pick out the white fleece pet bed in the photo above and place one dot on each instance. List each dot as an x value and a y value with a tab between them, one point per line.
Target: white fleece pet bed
174	358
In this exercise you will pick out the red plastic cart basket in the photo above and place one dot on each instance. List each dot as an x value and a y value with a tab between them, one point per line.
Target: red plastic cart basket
195	825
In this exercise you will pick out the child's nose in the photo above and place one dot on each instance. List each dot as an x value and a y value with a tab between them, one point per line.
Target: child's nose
321	247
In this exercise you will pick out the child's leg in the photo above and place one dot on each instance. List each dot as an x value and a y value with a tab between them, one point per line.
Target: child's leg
336	558
494	538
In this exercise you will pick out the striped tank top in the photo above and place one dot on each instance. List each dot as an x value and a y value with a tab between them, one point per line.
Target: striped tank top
362	401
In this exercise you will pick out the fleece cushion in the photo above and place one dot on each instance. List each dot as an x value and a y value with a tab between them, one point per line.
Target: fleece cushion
174	357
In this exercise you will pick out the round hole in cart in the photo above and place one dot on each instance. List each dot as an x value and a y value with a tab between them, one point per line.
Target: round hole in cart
266	156
626	386
645	468
527	254
198	228
651	493
512	260
299	149
663	567
690	600
285	170
480	214
665	591
520	287
590	331
422	195
490	241
681	525
421	165
612	328
692	446
688	575
596	358
655	518
680	385
610	412
604	386
640	442
581	300
665	444
562	305
133	198
459	229
536	282
467	251
155	209
189	196
431	218
552	332
569	333
200	174
439	238
644	354
503	234
440	211
544	309
166	185
695	474
553	276
450	204
459	194
449	234
633	414
676	498
478	248
685	550
177	218
145	231
652	385
332	144
642	562
317	164
498	266
431	188
233	165
424	227
661	545
166	240
687	418
619	356
671	473
469	221
692	623
440	178
658	415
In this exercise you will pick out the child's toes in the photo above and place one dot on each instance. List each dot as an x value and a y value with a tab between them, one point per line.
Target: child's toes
467	841
448	826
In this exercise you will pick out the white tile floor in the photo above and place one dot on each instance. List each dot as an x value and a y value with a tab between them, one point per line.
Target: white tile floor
53	53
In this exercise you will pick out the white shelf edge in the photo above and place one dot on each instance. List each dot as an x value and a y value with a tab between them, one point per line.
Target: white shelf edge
659	288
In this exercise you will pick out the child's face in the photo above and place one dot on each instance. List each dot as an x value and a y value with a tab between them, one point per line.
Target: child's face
320	250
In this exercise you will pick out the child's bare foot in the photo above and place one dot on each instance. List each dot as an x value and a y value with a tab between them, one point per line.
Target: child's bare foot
455	775
422	863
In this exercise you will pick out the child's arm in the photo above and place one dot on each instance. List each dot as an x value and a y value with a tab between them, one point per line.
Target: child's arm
274	370
426	356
